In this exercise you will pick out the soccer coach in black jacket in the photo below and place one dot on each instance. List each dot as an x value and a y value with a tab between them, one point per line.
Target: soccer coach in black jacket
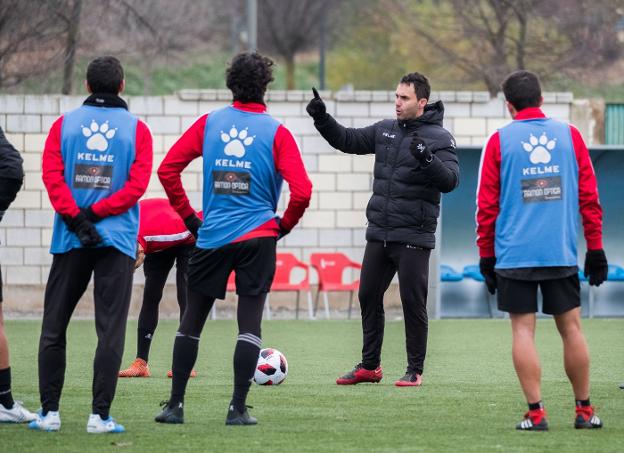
415	162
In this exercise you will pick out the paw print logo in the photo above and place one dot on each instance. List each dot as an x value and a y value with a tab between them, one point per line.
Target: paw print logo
539	148
420	147
236	141
98	135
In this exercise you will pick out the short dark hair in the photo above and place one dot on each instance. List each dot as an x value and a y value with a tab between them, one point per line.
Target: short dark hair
522	89
248	75
420	82
105	75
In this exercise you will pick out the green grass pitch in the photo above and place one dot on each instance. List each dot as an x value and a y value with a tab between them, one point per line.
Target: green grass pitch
470	400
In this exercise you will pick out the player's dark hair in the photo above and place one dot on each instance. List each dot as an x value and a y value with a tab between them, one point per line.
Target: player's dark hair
522	89
248	76
420	82
104	75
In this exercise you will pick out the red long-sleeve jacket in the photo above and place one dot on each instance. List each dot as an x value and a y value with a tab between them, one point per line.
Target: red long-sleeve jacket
286	156
119	202
488	189
160	227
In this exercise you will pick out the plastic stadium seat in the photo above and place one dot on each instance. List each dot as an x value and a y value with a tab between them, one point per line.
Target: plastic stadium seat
231	283
616	273
472	271
285	263
448	274
330	267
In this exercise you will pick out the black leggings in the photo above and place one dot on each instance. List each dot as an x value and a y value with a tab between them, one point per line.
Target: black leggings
381	262
156	269
248	314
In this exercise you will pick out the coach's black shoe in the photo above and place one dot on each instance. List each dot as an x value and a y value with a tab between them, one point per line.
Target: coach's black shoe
534	420
586	418
171	414
234	417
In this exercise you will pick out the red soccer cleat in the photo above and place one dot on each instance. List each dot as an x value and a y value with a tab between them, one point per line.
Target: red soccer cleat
138	368
409	380
534	420
360	374
586	418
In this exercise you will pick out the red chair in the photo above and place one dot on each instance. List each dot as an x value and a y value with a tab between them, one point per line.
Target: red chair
285	263
330	267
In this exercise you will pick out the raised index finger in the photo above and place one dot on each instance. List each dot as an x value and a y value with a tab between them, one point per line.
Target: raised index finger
316	95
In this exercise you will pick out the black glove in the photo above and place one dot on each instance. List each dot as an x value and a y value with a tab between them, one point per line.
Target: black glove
419	150
90	215
84	229
486	266
596	267
282	231
316	107
193	223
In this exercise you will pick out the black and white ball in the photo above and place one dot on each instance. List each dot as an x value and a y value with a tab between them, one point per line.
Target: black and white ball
272	367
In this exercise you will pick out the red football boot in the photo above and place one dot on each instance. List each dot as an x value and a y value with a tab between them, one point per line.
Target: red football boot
409	380
586	418
360	374
534	420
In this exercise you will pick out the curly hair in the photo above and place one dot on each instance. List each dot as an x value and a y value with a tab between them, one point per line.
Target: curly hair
420	82
248	75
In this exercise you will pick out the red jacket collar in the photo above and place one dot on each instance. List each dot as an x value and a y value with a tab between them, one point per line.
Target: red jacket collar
249	106
530	113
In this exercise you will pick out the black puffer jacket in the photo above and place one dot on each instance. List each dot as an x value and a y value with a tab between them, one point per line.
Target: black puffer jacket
405	204
11	173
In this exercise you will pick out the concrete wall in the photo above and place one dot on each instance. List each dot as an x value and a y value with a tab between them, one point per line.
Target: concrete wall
335	220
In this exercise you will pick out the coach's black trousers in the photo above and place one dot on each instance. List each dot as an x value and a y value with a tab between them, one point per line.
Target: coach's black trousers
381	262
69	276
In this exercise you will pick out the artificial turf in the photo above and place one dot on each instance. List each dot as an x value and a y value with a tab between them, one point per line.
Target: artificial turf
470	400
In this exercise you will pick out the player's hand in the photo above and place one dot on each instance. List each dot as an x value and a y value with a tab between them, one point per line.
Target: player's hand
84	229
596	267
282	231
486	266
316	107
90	215
140	257
193	224
419	150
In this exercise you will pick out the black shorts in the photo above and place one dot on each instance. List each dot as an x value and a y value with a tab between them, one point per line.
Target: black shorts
252	260
520	296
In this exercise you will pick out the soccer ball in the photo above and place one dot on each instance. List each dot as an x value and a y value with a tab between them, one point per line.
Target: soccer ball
272	367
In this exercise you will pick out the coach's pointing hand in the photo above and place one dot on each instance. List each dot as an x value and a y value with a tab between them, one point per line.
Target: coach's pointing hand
316	107
486	266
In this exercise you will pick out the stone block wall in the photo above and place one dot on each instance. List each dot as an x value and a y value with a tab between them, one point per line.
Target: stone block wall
336	218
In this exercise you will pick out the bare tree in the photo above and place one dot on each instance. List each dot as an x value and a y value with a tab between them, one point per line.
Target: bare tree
288	27
155	32
71	20
29	40
486	39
